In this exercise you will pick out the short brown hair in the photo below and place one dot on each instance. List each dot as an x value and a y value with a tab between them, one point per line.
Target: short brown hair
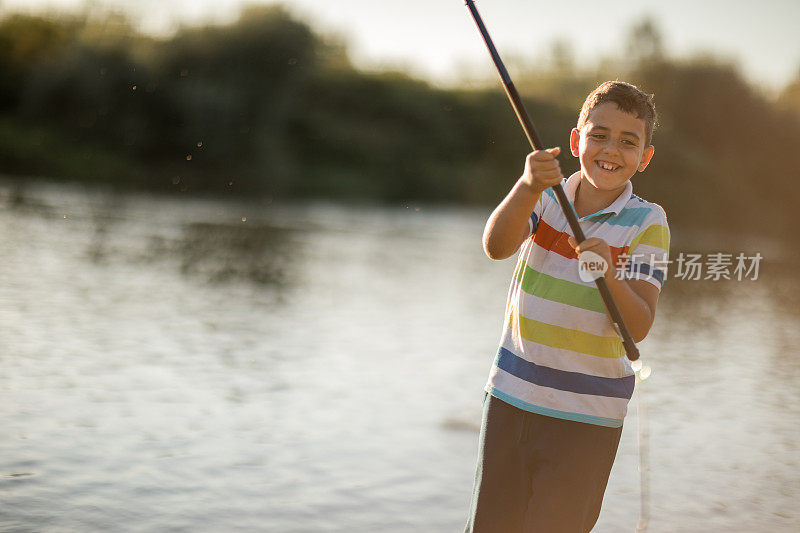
629	98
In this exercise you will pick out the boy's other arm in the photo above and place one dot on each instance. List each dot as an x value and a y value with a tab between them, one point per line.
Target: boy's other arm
635	298
507	226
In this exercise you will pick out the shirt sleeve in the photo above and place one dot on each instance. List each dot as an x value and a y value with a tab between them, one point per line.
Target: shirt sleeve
648	254
536	215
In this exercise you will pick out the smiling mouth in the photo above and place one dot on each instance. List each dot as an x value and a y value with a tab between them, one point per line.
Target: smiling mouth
608	167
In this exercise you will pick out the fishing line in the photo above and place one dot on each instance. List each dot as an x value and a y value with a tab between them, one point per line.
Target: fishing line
642	373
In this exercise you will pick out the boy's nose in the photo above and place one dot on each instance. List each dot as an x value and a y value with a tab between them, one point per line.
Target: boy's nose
611	146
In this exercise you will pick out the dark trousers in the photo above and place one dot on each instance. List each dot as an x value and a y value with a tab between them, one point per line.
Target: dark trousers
537	473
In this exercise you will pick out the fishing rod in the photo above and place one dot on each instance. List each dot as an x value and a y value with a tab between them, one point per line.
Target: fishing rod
533	138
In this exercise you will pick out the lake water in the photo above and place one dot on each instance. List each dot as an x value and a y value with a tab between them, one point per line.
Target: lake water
173	364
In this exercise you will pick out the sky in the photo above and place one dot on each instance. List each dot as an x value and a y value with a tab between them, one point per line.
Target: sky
437	39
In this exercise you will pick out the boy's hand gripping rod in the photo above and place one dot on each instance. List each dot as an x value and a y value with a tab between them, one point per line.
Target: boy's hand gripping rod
569	211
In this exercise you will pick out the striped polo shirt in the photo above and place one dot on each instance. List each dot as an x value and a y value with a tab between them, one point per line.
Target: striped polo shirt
559	354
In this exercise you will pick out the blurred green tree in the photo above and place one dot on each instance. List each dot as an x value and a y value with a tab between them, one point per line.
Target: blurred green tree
234	90
26	40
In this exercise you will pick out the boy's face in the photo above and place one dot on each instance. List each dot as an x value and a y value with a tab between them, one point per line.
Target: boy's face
611	147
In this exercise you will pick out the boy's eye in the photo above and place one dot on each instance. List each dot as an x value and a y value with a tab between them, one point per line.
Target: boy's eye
597	136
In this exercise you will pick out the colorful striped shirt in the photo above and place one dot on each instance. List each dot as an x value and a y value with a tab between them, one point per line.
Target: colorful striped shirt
559	354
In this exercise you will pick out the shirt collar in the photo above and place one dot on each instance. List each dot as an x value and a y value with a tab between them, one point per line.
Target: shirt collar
571	186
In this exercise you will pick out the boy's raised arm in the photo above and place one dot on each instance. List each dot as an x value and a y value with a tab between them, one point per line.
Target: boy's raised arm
507	226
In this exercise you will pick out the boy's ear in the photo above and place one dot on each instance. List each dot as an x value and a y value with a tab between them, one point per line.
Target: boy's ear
575	141
646	157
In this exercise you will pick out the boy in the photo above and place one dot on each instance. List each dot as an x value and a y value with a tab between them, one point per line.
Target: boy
559	386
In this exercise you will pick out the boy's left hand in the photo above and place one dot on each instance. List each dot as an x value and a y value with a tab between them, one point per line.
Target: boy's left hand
596	245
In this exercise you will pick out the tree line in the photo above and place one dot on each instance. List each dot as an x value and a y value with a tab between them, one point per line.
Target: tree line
266	106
